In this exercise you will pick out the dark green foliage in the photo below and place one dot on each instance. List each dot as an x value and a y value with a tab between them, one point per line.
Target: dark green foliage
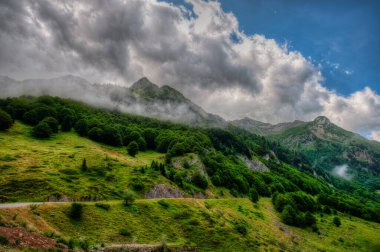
84	165
42	130
242	228
310	220
336	221
104	206
137	185
178	149
150	136
200	180
125	232
53	123
81	127
141	143
95	134
111	135
76	211
35	115
292	216
129	197
165	204
253	195
67	123
4	240
5	120
133	148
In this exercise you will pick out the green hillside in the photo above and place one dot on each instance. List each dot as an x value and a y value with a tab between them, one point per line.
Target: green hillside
326	146
259	195
208	225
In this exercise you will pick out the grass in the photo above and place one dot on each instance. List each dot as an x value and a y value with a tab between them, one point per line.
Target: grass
211	225
39	169
35	170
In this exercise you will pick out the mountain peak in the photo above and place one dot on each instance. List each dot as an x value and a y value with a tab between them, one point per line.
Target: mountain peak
145	88
322	120
144	83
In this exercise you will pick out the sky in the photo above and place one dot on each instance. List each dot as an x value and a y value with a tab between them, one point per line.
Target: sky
273	61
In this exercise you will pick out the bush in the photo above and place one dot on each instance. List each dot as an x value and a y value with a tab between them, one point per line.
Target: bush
95	134
5	120
129	197
137	185
291	216
200	181
67	123
81	127
76	211
4	240
253	195
309	219
84	165
242	228
336	221
133	148
42	130
52	122
125	232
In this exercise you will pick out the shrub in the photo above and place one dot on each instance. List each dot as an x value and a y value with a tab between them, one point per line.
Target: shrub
309	219
52	122
76	211
5	120
241	228
253	195
141	143
133	148
200	181
81	127
4	240
125	232
336	221
95	134
137	185
84	165
67	123
291	216
129	197
42	130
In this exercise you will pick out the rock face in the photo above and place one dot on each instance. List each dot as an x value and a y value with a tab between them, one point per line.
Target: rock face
255	165
164	191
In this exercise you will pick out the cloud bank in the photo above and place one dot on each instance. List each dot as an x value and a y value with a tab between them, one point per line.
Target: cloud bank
199	50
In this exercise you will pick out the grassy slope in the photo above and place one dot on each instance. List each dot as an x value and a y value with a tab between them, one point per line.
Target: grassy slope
53	165
41	168
208	224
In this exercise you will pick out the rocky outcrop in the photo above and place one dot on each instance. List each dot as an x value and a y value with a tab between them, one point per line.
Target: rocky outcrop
255	165
164	191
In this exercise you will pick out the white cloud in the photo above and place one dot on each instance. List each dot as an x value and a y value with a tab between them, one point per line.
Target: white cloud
375	135
191	50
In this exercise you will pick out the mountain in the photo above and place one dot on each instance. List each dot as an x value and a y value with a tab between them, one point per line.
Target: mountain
142	98
261	128
331	148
